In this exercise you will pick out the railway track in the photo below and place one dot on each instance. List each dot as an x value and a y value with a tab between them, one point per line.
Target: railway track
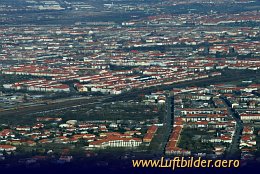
225	77
51	106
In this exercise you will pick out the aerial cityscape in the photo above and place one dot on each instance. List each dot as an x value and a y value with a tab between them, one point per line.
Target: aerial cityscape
99	84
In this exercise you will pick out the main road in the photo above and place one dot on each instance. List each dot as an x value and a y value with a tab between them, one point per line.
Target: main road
233	150
169	119
161	138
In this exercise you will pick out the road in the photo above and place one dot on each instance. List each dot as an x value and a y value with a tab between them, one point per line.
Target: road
233	150
169	119
160	140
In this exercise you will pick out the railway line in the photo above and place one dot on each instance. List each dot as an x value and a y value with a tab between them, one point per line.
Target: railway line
51	106
80	102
